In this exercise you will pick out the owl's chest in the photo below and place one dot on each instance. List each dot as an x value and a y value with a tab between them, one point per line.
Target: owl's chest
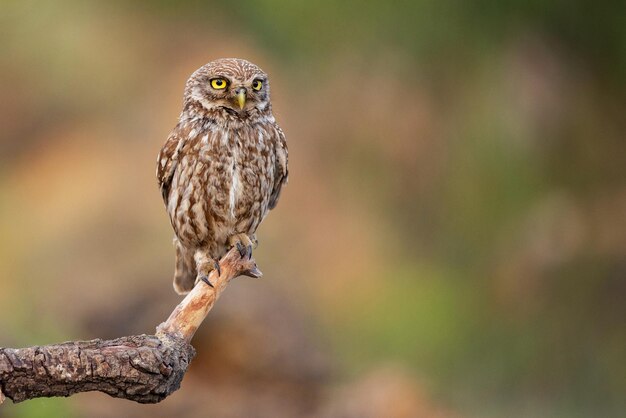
222	183
236	168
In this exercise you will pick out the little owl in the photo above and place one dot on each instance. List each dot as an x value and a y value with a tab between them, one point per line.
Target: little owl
222	167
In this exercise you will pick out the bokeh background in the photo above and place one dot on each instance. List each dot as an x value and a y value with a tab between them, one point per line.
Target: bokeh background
452	242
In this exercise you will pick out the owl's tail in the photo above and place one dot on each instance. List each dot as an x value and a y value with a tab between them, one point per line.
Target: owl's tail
185	271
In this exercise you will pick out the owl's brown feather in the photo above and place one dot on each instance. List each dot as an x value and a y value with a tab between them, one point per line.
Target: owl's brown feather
222	167
281	171
167	161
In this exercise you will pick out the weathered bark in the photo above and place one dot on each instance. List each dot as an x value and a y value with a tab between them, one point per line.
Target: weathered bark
142	368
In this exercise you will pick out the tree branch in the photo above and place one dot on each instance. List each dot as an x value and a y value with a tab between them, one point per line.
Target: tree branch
142	368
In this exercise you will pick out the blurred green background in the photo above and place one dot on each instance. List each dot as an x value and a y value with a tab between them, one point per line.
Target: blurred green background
452	241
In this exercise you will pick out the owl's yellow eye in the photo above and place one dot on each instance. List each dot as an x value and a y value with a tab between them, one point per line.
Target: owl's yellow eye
257	84
218	83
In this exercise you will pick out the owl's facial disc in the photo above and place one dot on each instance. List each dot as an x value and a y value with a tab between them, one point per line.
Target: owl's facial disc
234	86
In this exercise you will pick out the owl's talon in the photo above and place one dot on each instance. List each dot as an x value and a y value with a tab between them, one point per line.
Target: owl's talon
205	279
243	243
241	249
204	266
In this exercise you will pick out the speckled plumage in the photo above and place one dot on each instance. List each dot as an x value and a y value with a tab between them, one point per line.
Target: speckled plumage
222	168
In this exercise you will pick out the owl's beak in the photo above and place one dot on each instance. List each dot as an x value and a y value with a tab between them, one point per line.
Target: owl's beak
241	97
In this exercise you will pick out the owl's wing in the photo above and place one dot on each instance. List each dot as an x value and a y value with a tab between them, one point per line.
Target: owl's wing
167	162
281	172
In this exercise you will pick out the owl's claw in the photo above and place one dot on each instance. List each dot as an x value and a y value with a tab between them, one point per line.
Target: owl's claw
205	265
241	249
205	279
244	251
243	243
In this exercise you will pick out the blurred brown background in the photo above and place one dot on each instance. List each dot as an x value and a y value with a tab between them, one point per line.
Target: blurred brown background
452	242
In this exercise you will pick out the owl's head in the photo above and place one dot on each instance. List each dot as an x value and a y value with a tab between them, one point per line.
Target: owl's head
230	85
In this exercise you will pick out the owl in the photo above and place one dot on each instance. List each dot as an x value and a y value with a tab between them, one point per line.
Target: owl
222	168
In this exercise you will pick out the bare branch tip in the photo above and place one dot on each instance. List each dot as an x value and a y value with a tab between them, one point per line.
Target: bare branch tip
253	272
